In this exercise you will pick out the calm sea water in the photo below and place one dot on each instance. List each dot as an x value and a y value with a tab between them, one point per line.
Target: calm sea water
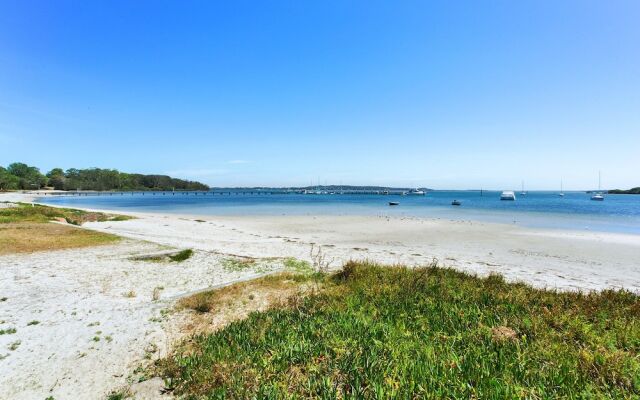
618	213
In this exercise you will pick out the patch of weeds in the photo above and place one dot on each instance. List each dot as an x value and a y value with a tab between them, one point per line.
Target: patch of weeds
13	346
4	299
121	218
108	338
238	264
94	324
203	306
34	322
8	331
3	356
181	256
119	395
293	264
150	350
199	220
130	294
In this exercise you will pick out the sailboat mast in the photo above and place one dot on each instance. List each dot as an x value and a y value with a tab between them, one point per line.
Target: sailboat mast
599	180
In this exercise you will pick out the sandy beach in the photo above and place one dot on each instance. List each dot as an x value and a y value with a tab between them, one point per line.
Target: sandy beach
102	292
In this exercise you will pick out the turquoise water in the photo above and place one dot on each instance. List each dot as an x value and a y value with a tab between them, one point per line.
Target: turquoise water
618	213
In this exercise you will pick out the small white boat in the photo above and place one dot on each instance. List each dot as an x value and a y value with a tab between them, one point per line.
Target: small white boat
598	196
508	195
415	192
522	192
561	194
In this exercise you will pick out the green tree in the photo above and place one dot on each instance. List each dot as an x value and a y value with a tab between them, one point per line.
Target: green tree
29	177
8	181
56	178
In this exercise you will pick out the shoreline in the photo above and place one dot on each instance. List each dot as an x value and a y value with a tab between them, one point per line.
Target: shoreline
426	234
554	216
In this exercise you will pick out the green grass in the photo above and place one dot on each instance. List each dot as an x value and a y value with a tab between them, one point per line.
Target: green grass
8	331
382	332
301	266
181	256
238	264
38	213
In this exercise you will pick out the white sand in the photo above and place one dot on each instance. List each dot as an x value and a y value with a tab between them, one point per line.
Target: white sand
68	290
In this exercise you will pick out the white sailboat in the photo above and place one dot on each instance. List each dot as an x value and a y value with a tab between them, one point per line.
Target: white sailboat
522	192
561	194
598	196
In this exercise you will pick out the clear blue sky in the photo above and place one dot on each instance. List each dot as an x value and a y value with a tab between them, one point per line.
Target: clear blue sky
448	94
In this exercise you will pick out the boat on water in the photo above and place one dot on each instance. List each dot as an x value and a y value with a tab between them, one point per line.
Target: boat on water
598	196
415	192
456	203
522	192
508	195
561	194
394	203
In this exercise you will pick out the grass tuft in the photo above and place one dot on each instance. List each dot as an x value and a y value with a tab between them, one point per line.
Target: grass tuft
181	256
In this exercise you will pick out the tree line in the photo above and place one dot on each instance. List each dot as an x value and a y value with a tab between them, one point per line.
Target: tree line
18	176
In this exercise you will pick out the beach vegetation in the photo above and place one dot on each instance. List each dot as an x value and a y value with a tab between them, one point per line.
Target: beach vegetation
119	395
235	264
24	228
424	332
297	265
181	255
34	322
22	212
8	331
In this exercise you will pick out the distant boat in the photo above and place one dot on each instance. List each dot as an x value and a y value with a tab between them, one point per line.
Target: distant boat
598	196
561	194
508	195
385	192
394	203
522	192
415	192
456	203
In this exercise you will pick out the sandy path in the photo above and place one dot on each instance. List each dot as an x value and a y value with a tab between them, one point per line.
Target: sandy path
81	294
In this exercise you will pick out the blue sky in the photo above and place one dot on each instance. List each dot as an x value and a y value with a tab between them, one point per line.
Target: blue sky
438	94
